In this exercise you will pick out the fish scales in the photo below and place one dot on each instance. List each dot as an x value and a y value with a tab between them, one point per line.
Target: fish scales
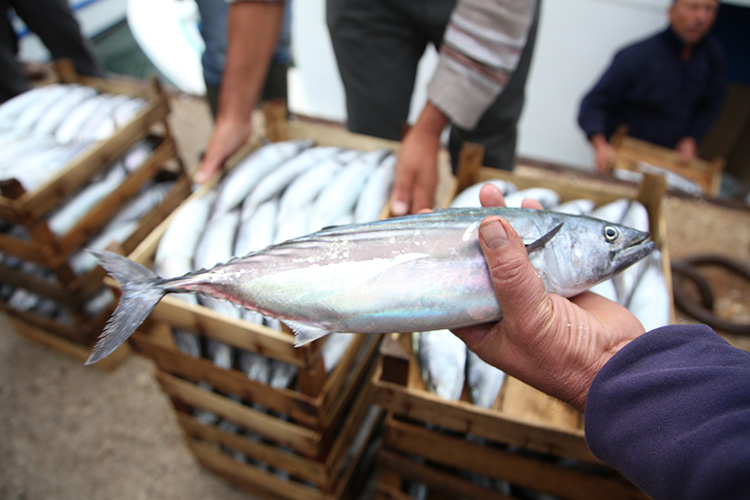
414	273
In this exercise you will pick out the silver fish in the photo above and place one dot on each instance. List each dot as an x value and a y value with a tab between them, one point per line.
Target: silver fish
547	197
340	196
442	359
415	273
485	380
376	190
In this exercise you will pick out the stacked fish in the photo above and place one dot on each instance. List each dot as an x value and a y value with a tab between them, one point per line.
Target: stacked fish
280	191
64	217
43	129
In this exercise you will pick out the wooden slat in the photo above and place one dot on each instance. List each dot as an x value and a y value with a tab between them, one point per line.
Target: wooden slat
97	217
526	404
331	416
344	437
395	361
298	406
328	135
250	478
490	424
237	332
524	471
389	483
350	372
273	456
280	432
440	481
629	152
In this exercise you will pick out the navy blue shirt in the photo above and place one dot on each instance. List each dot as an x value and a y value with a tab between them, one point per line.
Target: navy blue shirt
671	411
657	95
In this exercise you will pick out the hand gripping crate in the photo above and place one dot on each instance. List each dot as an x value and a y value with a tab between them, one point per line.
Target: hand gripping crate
527	443
38	246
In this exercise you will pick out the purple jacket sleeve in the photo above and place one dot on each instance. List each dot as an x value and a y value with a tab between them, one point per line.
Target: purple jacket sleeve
671	412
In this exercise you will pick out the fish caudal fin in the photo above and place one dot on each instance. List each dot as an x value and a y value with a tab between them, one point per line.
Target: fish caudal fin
140	294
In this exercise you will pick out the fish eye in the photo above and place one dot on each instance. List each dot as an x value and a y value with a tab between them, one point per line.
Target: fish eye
611	233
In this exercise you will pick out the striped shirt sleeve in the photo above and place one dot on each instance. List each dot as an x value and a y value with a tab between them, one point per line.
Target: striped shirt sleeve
481	48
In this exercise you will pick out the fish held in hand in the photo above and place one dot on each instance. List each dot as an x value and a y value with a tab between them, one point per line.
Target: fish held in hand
414	273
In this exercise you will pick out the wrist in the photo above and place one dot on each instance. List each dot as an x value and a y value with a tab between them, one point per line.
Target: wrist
598	141
431	121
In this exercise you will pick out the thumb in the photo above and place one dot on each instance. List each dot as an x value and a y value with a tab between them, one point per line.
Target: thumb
519	289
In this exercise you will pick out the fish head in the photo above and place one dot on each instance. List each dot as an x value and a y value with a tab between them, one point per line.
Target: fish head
587	251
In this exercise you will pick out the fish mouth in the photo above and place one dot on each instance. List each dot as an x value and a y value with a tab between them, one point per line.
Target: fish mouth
637	250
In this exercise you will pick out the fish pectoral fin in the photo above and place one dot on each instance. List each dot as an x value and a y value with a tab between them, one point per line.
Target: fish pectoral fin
535	245
304	333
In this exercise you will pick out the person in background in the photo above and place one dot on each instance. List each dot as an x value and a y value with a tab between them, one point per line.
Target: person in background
213	30
59	31
669	409
478	87
667	89
478	84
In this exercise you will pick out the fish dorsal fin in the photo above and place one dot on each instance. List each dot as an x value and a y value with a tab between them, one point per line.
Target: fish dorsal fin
535	245
304	333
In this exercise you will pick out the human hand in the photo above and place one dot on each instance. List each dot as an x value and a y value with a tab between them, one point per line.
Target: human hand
226	139
604	153
416	174
555	344
417	170
686	149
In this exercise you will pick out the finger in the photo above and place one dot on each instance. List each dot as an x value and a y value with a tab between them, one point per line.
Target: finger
531	203
207	169
491	196
424	197
401	193
519	289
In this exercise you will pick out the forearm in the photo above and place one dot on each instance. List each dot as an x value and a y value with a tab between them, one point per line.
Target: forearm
253	31
671	411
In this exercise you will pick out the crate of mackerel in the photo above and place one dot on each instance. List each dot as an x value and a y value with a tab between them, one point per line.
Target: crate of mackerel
85	165
279	420
461	427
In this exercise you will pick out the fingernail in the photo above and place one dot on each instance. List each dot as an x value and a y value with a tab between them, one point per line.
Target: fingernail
493	233
399	208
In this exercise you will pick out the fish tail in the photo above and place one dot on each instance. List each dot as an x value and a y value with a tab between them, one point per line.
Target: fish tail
141	291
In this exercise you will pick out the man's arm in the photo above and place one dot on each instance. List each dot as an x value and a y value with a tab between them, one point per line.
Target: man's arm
671	411
481	48
253	31
597	105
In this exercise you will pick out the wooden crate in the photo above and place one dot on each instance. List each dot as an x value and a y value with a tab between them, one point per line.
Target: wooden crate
630	152
29	209
305	431
527	439
306	434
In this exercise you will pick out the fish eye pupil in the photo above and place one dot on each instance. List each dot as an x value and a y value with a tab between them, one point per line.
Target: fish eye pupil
611	233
